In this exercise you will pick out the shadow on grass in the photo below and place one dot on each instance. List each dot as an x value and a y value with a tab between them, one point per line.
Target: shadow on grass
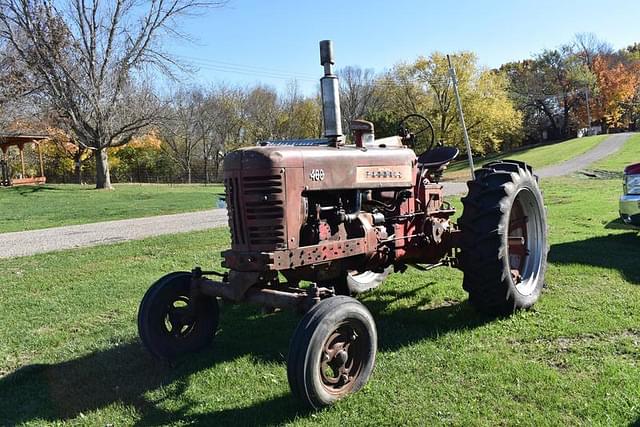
25	190
400	327
125	373
619	224
619	251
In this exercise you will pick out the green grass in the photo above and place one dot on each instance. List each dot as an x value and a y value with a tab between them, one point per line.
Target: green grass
29	208
69	352
628	154
537	157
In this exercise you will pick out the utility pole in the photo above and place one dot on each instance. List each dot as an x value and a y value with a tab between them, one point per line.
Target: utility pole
452	73
588	110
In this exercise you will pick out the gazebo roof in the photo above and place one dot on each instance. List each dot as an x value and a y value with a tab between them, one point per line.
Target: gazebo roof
10	139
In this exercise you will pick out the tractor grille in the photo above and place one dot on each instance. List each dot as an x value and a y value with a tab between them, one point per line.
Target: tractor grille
256	210
234	211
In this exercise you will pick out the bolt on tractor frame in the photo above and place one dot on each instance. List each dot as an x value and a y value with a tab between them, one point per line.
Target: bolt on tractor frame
340	218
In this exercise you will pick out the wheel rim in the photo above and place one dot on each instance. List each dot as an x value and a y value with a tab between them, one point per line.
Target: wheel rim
179	319
525	239
343	357
364	277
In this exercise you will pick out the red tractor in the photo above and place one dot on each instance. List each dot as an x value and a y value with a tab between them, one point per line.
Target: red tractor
316	222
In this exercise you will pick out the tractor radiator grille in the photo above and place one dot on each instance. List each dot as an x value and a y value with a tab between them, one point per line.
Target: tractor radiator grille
256	211
234	211
264	209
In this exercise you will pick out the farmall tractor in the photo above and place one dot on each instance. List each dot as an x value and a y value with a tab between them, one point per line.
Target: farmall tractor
314	223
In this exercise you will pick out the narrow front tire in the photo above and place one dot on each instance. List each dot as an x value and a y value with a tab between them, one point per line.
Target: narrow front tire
332	351
173	321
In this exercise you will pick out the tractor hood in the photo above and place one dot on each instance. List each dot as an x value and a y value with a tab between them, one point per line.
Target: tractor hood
331	167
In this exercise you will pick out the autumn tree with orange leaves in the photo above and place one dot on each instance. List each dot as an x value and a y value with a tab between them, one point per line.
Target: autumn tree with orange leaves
617	83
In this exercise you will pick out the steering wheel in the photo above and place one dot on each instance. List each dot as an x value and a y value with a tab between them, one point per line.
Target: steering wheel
411	138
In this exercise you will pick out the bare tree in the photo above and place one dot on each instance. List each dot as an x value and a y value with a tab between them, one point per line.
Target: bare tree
587	46
225	119
180	130
358	94
90	57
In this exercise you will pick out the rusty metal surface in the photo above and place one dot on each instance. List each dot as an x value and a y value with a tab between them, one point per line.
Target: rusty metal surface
324	252
281	297
311	211
267	189
339	164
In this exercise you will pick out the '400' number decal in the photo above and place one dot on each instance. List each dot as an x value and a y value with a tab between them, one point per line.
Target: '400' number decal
317	175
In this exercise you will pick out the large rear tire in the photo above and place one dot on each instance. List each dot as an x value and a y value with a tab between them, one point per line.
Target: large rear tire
504	238
332	351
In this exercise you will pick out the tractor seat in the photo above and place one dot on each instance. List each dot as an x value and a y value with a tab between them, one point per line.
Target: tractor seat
438	157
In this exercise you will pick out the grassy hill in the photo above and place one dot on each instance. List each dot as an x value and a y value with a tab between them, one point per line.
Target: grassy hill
537	157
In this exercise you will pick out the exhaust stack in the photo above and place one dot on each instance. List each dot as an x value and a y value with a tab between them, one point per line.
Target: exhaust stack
332	121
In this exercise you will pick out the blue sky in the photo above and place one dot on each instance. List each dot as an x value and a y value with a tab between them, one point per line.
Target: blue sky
274	41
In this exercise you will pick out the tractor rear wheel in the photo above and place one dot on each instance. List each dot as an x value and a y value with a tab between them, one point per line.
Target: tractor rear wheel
504	238
172	321
332	351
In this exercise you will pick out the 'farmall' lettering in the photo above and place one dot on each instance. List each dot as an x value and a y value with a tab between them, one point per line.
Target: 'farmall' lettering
384	173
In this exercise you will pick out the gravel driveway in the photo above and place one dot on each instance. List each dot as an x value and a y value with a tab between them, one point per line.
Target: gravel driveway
38	241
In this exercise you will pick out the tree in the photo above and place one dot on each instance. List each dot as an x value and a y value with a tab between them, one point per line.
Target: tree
90	56
300	117
424	87
587	46
228	123
550	89
140	158
617	84
262	116
179	129
359	95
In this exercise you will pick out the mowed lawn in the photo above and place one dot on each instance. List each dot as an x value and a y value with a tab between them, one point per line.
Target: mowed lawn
35	207
69	351
537	157
628	154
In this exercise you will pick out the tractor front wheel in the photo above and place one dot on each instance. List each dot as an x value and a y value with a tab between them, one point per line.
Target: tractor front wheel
173	321
504	238
332	351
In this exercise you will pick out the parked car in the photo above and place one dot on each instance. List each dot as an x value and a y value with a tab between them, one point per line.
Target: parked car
630	200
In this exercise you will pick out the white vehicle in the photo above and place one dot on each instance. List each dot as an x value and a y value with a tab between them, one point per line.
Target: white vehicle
630	200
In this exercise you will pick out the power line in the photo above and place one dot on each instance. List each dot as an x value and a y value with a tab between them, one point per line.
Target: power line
260	71
245	66
253	73
274	73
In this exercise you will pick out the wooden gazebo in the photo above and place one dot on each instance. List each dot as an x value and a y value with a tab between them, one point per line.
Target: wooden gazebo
20	140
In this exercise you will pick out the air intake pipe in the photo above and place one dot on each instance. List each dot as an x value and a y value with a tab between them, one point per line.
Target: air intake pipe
330	90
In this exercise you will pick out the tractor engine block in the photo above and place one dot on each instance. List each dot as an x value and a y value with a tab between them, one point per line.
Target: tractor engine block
314	213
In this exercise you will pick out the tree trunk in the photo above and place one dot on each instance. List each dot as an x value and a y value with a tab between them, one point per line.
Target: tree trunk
217	166
103	178
78	167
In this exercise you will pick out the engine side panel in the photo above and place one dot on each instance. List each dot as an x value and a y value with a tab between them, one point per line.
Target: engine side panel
316	211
